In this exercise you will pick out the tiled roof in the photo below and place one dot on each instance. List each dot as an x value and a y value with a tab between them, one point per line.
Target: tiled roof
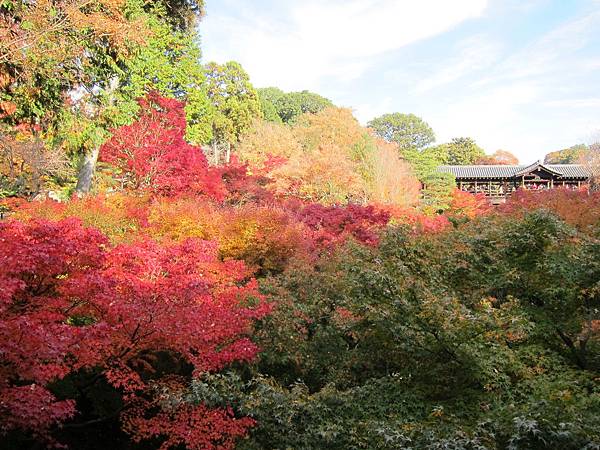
500	171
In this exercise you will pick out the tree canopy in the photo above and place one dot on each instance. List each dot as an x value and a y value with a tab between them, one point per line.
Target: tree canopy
461	151
502	157
279	106
234	100
572	155
406	130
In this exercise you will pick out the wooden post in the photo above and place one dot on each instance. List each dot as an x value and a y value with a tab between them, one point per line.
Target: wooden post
476	186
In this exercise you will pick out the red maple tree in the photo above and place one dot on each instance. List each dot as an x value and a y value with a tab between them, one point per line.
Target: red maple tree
152	153
71	305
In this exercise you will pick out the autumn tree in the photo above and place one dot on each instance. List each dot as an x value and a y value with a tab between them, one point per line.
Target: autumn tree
47	47
267	140
499	157
74	69
168	62
591	161
328	157
149	315
391	179
152	153
26	163
571	155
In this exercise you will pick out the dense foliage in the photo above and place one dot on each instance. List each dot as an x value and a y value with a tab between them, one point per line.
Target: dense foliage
326	287
282	107
171	315
329	158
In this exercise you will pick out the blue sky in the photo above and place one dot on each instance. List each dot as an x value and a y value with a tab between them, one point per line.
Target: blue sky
518	75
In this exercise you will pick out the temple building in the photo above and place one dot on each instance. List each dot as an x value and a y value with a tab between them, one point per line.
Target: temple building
498	182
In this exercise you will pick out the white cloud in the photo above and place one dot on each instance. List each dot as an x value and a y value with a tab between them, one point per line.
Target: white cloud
529	97
315	40
554	52
531	102
473	54
367	111
574	103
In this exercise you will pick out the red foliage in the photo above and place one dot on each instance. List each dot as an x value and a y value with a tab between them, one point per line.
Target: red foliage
152	153
35	339
419	222
63	287
332	224
175	424
242	186
579	208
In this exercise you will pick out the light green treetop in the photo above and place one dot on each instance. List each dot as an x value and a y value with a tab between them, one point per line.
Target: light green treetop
407	130
279	106
234	100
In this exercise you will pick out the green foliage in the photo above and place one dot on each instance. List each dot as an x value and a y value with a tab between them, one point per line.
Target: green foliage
82	78
424	162
478	338
278	106
407	130
268	98
460	151
437	191
572	155
170	64
235	102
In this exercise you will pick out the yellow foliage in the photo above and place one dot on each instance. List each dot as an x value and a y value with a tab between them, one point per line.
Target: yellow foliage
323	175
177	220
330	127
267	139
329	158
392	179
115	215
264	237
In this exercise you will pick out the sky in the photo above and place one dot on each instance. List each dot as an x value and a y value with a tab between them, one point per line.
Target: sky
518	75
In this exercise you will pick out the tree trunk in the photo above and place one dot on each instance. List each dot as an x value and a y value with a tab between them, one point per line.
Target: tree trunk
86	173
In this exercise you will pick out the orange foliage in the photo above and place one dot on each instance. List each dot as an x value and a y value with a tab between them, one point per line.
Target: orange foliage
392	179
501	157
179	219
332	126
467	205
323	175
579	208
58	29
118	216
264	237
267	139
329	158
417	221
